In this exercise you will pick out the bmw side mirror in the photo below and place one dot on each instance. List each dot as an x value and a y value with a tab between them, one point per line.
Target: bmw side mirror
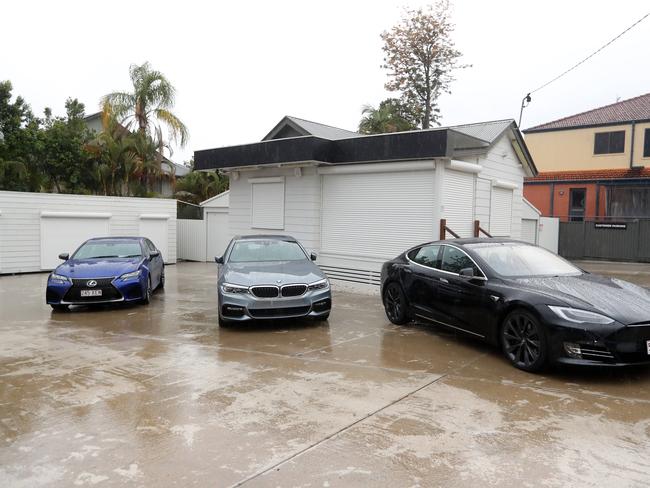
154	254
467	272
218	259
64	255
313	256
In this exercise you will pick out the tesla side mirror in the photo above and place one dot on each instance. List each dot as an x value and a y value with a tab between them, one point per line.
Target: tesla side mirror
218	259
313	256
64	255
154	254
467	272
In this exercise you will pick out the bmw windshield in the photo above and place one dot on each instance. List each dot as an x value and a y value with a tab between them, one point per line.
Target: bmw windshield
108	249
511	259
256	251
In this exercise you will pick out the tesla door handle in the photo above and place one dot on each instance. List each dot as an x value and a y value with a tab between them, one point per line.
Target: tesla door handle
444	280
408	271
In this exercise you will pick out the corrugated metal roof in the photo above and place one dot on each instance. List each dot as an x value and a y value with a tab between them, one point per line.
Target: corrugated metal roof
322	130
632	109
486	131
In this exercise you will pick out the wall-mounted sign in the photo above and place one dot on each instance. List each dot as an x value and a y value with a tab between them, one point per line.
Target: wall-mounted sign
610	225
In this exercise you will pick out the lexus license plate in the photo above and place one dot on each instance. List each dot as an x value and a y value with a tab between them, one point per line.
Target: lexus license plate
95	293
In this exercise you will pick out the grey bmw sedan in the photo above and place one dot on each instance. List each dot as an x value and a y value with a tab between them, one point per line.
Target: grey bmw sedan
270	277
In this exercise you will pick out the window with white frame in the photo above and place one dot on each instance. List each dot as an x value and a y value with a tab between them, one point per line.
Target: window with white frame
267	207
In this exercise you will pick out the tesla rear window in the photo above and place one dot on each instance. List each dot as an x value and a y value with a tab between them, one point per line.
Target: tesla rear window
259	251
511	260
94	250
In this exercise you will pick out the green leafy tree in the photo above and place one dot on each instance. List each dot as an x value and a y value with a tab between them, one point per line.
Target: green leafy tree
421	58
198	186
149	106
390	116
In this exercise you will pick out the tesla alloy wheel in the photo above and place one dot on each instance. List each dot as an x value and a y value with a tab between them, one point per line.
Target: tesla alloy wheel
395	304
523	341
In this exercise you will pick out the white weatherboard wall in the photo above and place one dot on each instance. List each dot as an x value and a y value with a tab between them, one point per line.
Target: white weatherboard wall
36	226
500	168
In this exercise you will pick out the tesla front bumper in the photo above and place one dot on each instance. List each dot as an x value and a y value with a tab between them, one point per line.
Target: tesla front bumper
613	344
242	307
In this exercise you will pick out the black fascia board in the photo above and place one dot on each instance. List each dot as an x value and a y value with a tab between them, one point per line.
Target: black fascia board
382	147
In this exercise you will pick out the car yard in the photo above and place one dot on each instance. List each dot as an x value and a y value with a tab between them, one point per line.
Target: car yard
160	396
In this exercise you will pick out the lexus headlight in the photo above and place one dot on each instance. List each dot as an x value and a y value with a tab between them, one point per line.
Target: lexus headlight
229	288
132	274
58	277
580	316
319	285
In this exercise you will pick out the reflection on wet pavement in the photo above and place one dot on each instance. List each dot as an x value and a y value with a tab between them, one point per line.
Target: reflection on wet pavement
161	396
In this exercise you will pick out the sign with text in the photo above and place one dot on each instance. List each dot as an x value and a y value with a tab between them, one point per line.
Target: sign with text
610	225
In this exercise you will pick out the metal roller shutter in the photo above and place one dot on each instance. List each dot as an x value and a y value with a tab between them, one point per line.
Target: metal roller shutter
376	214
268	205
459	202
501	212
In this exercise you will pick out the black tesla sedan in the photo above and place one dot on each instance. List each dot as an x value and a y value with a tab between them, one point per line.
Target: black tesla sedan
536	306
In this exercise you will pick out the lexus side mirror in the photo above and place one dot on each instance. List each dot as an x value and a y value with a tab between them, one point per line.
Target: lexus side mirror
154	254
313	256
64	255
467	272
218	259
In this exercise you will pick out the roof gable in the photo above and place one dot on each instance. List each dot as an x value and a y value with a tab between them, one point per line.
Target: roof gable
632	109
293	127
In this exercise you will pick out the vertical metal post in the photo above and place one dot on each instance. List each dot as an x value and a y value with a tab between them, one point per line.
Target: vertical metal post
443	225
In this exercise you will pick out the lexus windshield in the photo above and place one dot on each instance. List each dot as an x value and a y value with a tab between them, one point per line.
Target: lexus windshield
108	249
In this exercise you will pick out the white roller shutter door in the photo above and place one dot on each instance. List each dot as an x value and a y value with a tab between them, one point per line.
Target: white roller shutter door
64	232
376	214
529	230
458	206
501	212
155	228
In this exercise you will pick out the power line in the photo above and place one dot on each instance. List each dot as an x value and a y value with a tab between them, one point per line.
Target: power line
591	55
526	100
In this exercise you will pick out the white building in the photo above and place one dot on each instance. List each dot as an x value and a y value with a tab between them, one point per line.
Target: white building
36	227
358	200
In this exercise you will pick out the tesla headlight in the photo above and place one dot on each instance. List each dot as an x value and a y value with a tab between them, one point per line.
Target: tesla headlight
580	316
132	274
230	288
58	277
319	285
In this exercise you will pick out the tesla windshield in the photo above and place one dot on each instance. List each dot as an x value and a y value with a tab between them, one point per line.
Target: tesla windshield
108	249
512	259
268	250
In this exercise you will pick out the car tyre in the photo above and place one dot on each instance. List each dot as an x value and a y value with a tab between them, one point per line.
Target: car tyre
323	318
523	341
147	294
395	304
224	322
161	285
60	308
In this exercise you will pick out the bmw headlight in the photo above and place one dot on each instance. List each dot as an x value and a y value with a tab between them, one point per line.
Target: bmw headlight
132	274
229	288
58	277
319	285
580	316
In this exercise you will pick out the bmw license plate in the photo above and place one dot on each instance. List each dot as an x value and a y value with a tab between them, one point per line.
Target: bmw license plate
98	293
647	343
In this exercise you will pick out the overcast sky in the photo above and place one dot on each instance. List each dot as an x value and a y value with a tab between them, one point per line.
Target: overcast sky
239	66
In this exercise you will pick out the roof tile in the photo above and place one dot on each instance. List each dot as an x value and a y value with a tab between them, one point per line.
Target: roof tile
596	174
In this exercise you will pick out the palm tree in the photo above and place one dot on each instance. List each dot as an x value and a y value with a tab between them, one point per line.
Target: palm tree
198	186
149	105
388	117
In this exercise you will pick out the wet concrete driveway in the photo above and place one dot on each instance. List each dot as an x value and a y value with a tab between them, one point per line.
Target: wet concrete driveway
160	396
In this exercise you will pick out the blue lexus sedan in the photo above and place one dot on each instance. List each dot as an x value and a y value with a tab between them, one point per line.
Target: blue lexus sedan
105	270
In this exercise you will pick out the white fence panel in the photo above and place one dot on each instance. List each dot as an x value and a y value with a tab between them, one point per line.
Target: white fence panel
548	235
191	240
